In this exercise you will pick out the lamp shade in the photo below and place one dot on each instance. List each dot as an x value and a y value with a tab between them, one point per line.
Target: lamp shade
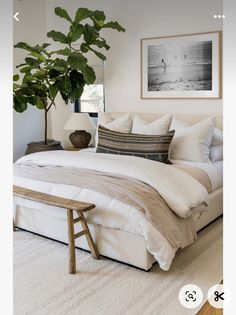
79	121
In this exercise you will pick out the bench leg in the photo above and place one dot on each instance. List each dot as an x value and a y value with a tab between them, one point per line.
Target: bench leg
88	235
71	241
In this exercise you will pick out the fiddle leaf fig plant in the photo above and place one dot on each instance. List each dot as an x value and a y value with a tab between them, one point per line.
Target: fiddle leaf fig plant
45	72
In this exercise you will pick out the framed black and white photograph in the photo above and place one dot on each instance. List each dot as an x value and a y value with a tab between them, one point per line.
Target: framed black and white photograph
181	66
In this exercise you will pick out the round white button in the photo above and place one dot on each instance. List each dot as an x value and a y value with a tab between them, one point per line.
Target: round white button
190	296
219	296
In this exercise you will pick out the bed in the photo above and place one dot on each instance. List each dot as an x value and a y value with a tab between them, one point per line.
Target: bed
121	234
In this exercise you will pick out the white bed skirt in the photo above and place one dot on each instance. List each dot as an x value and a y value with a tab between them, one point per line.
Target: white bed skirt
116	244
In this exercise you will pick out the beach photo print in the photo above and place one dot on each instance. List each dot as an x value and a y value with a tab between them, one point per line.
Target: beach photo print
182	66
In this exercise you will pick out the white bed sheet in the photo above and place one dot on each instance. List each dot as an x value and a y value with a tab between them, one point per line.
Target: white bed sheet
214	171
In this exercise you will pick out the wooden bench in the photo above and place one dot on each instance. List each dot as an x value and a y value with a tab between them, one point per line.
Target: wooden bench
70	206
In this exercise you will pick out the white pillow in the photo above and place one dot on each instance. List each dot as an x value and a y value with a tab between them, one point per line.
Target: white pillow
156	127
217	137
121	124
192	143
216	153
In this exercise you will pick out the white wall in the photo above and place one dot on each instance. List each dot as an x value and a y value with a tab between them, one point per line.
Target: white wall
28	126
122	70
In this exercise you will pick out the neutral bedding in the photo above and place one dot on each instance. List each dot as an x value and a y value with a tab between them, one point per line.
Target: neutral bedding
163	183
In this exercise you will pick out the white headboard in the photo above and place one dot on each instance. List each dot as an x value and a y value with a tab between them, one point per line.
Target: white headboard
191	119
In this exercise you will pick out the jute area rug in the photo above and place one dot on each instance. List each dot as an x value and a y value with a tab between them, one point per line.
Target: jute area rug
42	285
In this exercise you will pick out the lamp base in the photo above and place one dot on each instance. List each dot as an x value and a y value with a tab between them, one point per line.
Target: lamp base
80	139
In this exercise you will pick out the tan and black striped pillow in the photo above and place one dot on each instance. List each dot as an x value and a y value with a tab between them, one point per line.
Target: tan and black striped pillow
147	146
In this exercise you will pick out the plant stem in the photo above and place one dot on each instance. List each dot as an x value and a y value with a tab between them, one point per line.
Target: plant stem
46	126
46	120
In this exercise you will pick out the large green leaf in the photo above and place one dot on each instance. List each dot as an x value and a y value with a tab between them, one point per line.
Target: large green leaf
76	92
25	69
58	37
40	48
82	14
84	48
32	100
99	17
40	103
53	89
76	78
53	73
16	77
41	74
90	34
38	89
18	105
77	61
65	52
77	85
32	49
76	31
101	43
59	69
38	55
89	75
60	63
115	26
64	97
63	14
32	62
19	101
26	91
97	53
27	77
65	85
24	45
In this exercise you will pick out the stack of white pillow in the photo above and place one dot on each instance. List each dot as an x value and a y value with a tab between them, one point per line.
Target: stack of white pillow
201	142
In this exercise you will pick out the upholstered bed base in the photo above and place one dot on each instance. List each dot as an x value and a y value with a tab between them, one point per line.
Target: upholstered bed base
116	244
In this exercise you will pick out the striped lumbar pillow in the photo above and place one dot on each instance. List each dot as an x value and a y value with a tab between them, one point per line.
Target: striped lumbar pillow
147	146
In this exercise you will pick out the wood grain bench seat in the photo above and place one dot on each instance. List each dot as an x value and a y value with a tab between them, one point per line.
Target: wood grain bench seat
70	206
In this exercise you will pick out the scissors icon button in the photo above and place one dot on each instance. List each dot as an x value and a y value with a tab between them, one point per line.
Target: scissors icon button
219	296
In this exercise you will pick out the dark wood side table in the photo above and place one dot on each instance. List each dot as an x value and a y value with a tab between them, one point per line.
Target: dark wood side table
71	206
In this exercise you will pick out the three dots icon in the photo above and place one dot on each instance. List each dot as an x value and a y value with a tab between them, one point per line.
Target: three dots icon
219	16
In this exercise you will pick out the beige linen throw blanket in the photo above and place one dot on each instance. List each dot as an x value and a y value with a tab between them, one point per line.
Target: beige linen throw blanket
178	231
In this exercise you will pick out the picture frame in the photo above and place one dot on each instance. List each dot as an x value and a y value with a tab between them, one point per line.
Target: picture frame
182	66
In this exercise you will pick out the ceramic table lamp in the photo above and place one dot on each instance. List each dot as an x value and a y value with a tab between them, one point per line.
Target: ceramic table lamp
80	122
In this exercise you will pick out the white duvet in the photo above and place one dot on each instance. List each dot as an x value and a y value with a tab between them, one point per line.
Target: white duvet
180	191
